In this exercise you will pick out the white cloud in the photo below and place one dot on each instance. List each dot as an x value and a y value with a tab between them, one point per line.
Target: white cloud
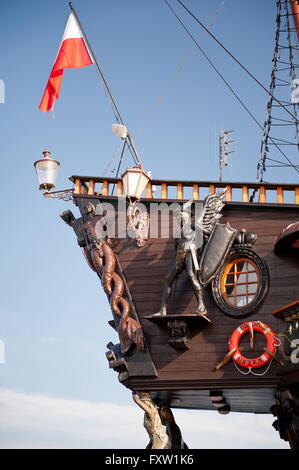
39	421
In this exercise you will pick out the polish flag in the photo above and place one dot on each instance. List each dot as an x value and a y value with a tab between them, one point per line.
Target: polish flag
72	53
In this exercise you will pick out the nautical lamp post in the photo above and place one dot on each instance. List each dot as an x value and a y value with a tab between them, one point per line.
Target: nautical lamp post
46	170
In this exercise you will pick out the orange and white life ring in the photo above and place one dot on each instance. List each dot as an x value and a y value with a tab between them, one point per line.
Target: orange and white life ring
263	358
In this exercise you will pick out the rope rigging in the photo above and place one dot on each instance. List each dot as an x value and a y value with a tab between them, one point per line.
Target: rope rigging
229	87
283	45
171	82
235	59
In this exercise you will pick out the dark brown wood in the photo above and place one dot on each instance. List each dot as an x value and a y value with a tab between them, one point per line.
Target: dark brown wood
226	359
187	376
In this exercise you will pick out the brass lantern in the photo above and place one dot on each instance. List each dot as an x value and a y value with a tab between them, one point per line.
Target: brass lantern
46	170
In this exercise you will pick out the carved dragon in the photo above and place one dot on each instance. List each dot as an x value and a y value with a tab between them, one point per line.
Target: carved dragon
101	257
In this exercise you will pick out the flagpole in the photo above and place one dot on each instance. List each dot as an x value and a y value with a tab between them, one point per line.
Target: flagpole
105	83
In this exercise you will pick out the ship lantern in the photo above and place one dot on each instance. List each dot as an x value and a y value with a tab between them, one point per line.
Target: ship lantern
46	170
134	182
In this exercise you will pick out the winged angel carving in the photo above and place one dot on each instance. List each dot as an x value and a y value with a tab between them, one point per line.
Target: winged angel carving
196	232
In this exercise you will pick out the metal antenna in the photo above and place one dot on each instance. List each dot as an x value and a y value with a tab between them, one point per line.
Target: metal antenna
224	150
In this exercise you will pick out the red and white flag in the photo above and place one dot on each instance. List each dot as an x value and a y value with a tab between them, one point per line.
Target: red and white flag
72	53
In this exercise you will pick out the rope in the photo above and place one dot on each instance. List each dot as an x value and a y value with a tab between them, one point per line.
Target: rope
262	373
235	59
113	157
250	371
177	73
261	167
227	84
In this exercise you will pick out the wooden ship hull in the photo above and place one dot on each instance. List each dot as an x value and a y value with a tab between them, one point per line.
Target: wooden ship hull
181	364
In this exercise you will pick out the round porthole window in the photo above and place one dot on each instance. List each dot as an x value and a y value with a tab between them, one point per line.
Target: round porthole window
241	285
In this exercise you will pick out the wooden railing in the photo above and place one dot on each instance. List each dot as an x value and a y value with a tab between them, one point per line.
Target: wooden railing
196	190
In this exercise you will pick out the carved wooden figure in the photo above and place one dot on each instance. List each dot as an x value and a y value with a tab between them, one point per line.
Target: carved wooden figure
103	260
152	422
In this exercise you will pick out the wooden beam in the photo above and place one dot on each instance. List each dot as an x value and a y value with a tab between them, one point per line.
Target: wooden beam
226	359
77	186
164	191
297	195
148	192
212	188
105	188
91	188
228	193
245	197
279	195
195	192
262	196
179	191
119	190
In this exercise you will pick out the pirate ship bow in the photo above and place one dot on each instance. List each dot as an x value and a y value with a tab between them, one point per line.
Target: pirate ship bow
203	291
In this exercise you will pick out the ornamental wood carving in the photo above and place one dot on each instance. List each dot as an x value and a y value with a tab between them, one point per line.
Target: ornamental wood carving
101	256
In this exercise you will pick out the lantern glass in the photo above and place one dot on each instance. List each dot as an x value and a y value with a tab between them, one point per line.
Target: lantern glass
46	171
134	182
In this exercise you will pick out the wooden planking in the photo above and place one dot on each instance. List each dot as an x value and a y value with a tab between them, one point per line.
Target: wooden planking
145	269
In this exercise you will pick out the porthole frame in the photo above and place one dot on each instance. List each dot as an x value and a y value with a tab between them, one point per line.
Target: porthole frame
263	278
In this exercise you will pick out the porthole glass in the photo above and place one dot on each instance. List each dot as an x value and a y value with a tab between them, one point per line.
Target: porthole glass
242	283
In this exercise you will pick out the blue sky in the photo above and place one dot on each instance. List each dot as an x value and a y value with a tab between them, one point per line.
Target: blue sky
53	313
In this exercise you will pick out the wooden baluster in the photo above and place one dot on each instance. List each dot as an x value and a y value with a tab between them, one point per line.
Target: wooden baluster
212	188
105	188
262	195
279	195
164	191
91	188
228	193
245	194
297	195
119	190
179	191
148	192
195	192
83	189
77	186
